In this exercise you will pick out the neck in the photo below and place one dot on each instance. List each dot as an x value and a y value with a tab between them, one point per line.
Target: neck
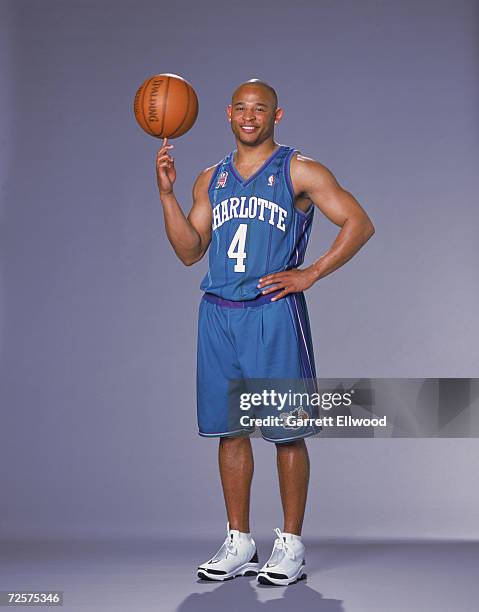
245	153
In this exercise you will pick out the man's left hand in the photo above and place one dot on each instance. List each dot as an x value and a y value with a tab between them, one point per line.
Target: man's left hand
290	281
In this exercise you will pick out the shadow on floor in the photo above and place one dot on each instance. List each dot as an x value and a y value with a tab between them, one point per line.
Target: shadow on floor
243	594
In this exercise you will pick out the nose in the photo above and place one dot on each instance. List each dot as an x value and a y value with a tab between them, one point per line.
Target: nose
249	115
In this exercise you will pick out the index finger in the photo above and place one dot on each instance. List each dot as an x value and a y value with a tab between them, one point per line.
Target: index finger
269	277
165	144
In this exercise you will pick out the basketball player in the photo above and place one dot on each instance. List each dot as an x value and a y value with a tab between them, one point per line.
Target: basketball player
254	210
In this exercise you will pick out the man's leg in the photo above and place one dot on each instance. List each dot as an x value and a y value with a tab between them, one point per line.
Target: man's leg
238	555
293	472
235	458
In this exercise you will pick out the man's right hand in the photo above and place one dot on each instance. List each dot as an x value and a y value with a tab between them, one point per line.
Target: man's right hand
165	169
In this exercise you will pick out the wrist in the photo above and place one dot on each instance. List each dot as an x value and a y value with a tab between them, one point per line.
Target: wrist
314	272
166	193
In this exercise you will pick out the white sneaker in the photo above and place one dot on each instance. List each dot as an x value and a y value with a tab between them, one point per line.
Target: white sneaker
236	557
286	564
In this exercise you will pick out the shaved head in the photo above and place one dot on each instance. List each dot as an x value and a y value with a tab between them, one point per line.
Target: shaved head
253	113
259	83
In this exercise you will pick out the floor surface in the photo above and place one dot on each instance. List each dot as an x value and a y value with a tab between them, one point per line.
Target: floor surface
343	576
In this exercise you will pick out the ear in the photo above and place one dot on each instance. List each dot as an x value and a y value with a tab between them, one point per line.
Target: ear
278	115
228	112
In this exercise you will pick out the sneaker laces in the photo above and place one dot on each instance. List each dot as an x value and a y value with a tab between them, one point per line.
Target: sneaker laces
280	549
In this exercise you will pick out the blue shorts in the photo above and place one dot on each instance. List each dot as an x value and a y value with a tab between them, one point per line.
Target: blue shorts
241	342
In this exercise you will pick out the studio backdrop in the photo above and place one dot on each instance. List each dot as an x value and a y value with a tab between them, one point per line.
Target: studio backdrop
98	317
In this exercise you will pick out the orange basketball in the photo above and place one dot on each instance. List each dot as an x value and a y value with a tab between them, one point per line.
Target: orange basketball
166	105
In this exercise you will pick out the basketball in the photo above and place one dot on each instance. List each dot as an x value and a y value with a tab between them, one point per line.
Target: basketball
165	106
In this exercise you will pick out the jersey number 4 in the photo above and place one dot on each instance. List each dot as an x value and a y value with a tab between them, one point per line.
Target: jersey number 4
236	249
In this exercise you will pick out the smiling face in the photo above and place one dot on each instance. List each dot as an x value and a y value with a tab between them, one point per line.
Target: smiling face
253	114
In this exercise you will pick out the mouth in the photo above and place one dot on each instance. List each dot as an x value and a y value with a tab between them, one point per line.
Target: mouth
249	129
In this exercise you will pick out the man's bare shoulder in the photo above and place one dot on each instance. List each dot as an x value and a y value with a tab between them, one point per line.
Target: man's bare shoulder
305	165
305	171
207	173
204	177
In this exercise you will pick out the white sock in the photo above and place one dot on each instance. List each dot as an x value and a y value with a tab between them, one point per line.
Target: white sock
242	535
292	536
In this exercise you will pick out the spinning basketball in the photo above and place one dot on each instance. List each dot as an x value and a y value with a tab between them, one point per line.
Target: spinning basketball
166	106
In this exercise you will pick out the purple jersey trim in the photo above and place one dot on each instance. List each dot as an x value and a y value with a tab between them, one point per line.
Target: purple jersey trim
260	300
289	183
287	174
298	311
215	174
240	179
308	213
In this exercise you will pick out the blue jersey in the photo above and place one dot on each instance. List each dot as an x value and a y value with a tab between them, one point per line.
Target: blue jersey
256	229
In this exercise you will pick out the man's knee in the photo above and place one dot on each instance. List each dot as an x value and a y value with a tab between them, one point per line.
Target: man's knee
235	441
291	446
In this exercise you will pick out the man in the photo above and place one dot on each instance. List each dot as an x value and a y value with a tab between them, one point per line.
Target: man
255	207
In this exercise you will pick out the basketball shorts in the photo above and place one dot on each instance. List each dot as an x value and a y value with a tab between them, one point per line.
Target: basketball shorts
255	347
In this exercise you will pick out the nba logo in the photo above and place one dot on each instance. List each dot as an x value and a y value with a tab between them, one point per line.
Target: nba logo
271	180
221	182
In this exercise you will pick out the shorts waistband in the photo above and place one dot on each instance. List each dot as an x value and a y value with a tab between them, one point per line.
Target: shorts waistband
260	300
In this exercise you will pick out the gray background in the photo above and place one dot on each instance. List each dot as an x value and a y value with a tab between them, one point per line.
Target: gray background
98	317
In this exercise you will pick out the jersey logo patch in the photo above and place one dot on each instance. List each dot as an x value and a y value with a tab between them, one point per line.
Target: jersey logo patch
271	179
221	182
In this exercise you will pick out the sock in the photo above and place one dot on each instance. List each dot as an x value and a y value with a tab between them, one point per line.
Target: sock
242	535
292	536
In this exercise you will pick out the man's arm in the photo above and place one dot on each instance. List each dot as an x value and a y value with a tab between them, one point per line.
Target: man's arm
314	181
189	236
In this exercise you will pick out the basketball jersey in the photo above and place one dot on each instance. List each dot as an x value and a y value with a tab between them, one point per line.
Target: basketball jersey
256	229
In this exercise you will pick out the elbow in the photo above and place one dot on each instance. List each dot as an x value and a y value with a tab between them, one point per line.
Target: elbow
363	228
368	230
190	260
192	255
187	262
